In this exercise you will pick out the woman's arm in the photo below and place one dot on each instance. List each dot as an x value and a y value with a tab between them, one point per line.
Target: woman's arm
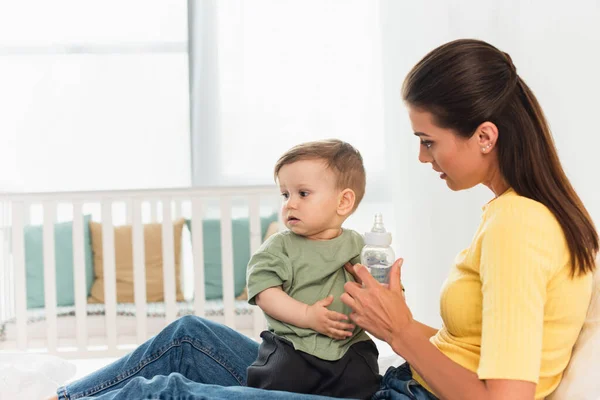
448	379
384	313
279	305
426	330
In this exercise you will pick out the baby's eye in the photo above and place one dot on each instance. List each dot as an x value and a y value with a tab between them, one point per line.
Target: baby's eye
427	143
303	194
285	195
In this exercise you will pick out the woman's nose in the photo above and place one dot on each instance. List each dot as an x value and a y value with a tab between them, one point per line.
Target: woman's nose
424	155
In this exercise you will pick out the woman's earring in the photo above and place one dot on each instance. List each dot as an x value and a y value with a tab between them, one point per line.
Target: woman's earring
484	149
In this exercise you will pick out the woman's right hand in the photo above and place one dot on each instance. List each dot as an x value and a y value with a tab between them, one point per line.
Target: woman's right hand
327	322
351	269
379	309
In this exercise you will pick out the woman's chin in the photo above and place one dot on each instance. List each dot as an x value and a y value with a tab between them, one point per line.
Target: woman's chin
457	187
452	185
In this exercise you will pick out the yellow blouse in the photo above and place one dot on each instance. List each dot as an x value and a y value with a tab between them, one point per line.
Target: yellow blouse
509	307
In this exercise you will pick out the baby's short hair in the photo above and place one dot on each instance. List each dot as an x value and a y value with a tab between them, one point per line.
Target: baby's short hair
341	157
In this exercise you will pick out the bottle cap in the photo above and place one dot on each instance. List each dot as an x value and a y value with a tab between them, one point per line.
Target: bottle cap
378	236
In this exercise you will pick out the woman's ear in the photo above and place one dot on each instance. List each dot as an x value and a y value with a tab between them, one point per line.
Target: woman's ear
487	136
346	201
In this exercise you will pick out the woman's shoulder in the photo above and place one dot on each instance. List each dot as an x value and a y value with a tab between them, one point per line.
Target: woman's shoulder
519	216
514	208
523	227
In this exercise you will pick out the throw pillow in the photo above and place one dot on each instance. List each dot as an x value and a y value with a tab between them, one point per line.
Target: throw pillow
124	262
211	230
273	228
63	252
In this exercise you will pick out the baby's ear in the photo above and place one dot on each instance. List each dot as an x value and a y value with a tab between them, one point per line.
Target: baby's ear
346	201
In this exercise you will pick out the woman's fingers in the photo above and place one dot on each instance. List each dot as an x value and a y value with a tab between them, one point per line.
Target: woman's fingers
395	275
352	287
353	316
365	276
348	300
350	268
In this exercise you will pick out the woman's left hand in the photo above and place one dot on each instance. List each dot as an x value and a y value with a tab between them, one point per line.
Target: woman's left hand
379	309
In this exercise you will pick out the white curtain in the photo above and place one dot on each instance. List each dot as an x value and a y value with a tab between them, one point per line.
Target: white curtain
554	45
94	95
270	74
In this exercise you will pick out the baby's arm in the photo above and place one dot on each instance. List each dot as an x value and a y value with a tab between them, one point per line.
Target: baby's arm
279	305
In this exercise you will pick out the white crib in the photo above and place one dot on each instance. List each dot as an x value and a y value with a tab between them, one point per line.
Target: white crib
112	329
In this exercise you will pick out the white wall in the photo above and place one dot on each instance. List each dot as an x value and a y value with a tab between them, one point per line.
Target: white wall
555	47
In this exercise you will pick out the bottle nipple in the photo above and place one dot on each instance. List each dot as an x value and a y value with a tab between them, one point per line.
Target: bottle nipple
378	224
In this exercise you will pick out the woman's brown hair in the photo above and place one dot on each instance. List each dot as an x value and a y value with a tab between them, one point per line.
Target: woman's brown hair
467	82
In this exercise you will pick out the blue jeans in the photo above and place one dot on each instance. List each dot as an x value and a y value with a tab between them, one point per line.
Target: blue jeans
398	384
194	358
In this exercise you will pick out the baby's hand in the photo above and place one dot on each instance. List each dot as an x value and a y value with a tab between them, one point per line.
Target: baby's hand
327	322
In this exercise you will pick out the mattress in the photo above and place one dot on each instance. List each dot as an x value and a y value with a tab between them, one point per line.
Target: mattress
126	319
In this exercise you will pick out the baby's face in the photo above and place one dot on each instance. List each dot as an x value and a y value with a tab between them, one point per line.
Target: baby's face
310	198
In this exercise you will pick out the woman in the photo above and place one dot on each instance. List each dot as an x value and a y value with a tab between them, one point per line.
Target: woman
514	301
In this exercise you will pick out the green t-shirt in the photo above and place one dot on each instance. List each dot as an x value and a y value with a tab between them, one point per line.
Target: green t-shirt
308	271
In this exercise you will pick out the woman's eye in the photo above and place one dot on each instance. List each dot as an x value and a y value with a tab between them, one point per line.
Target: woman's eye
427	143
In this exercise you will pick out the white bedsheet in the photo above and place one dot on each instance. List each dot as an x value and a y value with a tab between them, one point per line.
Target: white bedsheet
36	376
32	376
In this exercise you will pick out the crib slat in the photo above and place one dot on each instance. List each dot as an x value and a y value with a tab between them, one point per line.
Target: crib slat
255	228
4	276
178	209
198	254
227	262
27	216
258	319
6	296
110	284
128	212
18	250
50	276
79	276
168	261
139	271
153	211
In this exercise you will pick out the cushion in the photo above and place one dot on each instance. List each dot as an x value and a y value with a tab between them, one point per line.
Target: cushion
124	262
580	380
211	231
63	253
273	228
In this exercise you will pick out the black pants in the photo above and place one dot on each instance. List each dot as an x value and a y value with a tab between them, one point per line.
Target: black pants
280	367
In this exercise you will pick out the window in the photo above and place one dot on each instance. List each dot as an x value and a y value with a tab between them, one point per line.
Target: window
94	95
278	73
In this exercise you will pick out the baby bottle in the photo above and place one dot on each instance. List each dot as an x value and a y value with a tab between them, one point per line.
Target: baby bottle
377	255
